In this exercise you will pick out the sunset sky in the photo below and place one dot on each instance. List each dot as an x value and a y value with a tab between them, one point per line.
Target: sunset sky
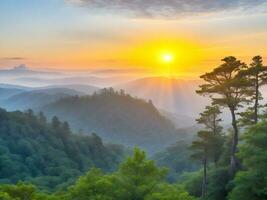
178	37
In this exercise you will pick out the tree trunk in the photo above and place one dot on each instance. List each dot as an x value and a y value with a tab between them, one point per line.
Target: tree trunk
234	160
214	134
256	100
214	125
204	182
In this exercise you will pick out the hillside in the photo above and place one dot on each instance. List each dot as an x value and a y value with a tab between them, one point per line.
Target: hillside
116	117
6	93
48	154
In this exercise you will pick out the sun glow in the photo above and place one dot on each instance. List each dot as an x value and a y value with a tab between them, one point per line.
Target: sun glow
159	57
167	58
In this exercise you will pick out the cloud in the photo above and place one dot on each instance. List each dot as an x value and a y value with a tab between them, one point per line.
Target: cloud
168	8
13	58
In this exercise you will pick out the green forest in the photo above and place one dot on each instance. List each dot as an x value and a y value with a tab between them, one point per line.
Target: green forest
43	159
48	154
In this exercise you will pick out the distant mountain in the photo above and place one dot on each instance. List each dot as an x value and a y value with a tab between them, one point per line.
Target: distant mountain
57	90
6	93
86	89
22	70
35	99
116	117
86	79
16	97
171	94
11	86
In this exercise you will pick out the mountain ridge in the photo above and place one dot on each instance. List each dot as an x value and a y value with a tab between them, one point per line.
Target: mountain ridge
116	117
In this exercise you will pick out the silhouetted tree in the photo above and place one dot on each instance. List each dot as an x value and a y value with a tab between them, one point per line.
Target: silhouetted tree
228	89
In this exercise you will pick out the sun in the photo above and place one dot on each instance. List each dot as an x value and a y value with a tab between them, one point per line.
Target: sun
167	58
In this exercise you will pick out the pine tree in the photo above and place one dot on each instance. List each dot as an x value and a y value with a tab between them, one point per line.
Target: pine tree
202	151
228	89
256	74
210	118
209	143
56	123
66	127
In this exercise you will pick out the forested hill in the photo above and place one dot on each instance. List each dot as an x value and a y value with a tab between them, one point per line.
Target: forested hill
48	154
116	117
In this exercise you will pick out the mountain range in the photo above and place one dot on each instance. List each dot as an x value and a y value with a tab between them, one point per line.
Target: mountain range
116	116
22	70
13	97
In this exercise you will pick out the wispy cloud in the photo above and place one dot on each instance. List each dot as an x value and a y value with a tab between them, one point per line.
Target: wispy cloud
13	58
168	8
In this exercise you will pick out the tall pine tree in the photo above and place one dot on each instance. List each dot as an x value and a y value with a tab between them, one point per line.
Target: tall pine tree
201	151
228	89
256	74
209	143
210	118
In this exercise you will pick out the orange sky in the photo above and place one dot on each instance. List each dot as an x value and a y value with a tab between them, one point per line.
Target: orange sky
71	38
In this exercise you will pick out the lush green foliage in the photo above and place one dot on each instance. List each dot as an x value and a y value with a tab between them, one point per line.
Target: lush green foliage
252	182
22	191
48	154
136	179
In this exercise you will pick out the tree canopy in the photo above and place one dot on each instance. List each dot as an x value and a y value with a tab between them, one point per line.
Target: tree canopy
48	154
